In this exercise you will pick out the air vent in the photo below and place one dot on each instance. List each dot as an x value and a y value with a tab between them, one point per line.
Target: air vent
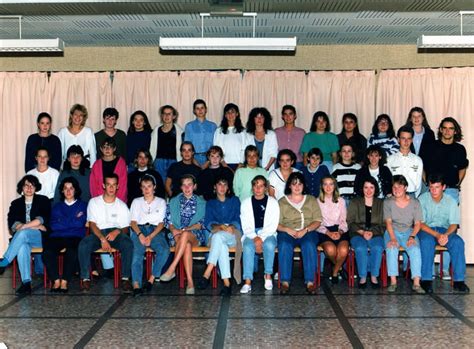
325	21
124	17
363	28
429	5
375	14
409	21
92	24
137	30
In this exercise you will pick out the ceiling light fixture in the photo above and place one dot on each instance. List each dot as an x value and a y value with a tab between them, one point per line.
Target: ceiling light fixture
447	41
228	44
29	45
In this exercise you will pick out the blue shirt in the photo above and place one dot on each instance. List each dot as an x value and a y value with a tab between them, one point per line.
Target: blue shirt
439	214
417	139
201	134
227	212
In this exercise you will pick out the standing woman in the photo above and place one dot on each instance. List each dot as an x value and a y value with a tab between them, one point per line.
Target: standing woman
78	134
403	216
138	136
333	236
166	141
350	134
300	216
231	136
279	176
345	172
321	137
383	135
374	166
45	139
28	219
185	221
47	176
423	138
366	227
68	227
261	135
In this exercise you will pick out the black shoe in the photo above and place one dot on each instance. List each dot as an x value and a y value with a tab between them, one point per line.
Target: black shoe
427	286
460	286
147	286
203	283
335	279
63	290
109	273
24	289
137	292
375	285
55	290
226	291
2	269
363	286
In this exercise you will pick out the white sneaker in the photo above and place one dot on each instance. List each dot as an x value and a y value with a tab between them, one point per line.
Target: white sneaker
446	276
268	284
246	289
275	276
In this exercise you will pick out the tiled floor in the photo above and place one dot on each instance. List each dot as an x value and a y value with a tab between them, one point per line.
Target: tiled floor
337	316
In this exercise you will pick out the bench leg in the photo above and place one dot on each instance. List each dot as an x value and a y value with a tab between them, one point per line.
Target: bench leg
318	268
383	270
214	277
182	276
14	269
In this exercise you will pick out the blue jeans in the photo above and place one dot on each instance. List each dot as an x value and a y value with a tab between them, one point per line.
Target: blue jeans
20	247
162	166
158	244
366	259
286	245
455	247
219	252
90	243
413	252
248	247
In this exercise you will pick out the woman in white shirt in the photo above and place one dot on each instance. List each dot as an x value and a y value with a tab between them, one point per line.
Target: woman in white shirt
47	176
278	177
260	134
231	136
78	134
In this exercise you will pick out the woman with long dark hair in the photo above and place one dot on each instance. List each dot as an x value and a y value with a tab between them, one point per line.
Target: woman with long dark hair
383	135
138	136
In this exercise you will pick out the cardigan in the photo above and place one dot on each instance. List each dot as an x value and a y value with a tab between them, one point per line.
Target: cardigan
270	221
270	147
96	180
356	217
175	211
40	208
154	141
293	218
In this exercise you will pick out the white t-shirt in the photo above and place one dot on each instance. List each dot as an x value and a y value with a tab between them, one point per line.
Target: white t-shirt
375	175
85	139
48	180
278	182
232	144
143	213
108	215
410	166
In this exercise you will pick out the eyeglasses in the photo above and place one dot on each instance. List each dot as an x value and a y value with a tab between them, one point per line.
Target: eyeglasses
28	186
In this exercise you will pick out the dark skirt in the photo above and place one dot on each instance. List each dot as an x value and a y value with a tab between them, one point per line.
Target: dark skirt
323	238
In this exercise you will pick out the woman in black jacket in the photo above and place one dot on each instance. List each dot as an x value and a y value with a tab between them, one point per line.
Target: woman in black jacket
28	219
374	167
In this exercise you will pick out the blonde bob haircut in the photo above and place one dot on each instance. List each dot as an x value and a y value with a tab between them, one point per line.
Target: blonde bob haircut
80	108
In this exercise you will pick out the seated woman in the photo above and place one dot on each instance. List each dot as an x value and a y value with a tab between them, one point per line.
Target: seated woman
207	177
185	221
143	166
375	167
244	175
366	227
146	230
68	227
259	215
300	216
28	219
75	166
332	231
403	216
223	221
278	177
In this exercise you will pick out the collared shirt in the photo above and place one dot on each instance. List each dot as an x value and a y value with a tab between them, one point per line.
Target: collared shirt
290	140
201	134
410	166
151	213
439	214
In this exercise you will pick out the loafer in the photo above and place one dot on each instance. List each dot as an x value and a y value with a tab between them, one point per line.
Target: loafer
362	286
24	289
147	286
335	280
284	288
64	290
127	287
418	289
246	289
167	278
203	283
86	285
137	292
375	285
427	286
226	291
190	290
392	288
311	289
460	286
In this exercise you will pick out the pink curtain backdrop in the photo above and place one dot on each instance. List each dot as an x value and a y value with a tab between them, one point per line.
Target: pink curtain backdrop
440	92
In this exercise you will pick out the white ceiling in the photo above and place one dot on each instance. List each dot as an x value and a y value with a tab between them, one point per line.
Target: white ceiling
141	23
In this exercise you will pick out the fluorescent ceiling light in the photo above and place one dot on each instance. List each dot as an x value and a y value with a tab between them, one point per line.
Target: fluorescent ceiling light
446	41
229	44
31	45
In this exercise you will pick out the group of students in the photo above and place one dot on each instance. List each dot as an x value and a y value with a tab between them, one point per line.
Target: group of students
251	188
